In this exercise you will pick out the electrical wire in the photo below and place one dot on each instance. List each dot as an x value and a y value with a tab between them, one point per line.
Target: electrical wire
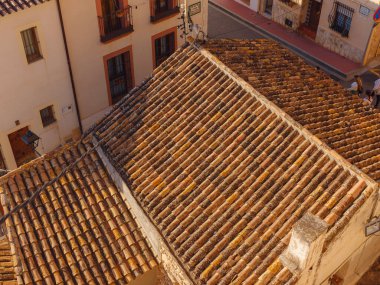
74	163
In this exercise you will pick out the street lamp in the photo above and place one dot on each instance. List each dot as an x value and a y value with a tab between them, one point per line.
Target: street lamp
32	140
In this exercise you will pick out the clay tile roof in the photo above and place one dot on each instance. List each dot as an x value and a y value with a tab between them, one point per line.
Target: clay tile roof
7	270
312	98
79	231
11	6
223	172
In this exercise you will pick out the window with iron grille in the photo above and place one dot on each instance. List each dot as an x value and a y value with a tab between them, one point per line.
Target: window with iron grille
47	116
340	18
119	76
31	44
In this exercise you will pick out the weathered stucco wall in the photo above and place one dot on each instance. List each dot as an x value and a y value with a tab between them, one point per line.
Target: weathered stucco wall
354	46
294	11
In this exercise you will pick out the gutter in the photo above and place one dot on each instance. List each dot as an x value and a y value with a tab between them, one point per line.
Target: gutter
69	65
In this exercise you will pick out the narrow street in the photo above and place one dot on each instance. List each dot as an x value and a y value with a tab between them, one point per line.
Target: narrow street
223	25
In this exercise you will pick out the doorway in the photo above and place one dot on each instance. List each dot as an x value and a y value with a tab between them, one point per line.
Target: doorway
268	6
22	152
313	15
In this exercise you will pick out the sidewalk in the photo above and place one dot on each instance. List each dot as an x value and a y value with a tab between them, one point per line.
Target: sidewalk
331	62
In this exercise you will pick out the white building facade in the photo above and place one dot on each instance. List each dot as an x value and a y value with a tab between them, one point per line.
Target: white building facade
114	45
35	93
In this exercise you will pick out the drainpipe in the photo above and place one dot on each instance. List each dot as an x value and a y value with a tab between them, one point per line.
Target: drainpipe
69	65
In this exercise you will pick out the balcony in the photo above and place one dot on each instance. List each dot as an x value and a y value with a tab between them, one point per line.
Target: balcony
115	24
158	13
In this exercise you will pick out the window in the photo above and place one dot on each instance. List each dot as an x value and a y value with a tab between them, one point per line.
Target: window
163	8
119	76
340	18
31	44
163	47
47	116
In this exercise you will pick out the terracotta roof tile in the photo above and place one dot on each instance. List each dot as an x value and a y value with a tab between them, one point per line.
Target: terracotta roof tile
77	231
7	269
11	6
312	98
222	172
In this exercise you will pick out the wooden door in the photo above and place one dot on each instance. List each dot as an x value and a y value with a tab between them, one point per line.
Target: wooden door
2	160
22	153
268	6
314	14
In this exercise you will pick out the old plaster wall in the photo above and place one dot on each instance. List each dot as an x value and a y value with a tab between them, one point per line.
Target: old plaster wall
355	45
293	11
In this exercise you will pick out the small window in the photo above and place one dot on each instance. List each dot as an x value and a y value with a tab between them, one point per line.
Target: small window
340	18
164	47
47	116
31	44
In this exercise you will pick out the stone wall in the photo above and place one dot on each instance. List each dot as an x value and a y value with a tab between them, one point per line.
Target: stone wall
291	11
335	42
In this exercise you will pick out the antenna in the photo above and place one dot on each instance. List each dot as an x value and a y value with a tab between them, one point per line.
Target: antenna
188	25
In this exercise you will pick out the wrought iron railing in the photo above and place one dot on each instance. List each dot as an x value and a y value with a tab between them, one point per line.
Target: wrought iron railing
115	24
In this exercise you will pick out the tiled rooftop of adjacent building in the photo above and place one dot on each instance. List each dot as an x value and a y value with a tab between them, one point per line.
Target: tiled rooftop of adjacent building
11	6
311	97
223	172
79	231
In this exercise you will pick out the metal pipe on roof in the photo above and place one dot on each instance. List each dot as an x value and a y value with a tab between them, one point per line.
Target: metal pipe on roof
69	65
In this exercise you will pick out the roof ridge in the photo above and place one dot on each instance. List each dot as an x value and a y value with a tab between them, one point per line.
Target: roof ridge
332	154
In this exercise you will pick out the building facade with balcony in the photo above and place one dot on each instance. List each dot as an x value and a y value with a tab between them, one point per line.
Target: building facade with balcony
65	63
115	44
345	26
36	94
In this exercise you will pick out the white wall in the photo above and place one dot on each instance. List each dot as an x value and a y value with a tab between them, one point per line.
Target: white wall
27	88
351	249
87	51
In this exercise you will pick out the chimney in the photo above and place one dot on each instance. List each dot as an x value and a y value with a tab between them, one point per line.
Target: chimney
305	248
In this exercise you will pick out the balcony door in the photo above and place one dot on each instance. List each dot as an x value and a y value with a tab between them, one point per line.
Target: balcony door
313	14
119	70
164	47
268	6
111	20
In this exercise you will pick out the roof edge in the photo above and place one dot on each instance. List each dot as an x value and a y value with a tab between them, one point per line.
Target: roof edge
332	154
